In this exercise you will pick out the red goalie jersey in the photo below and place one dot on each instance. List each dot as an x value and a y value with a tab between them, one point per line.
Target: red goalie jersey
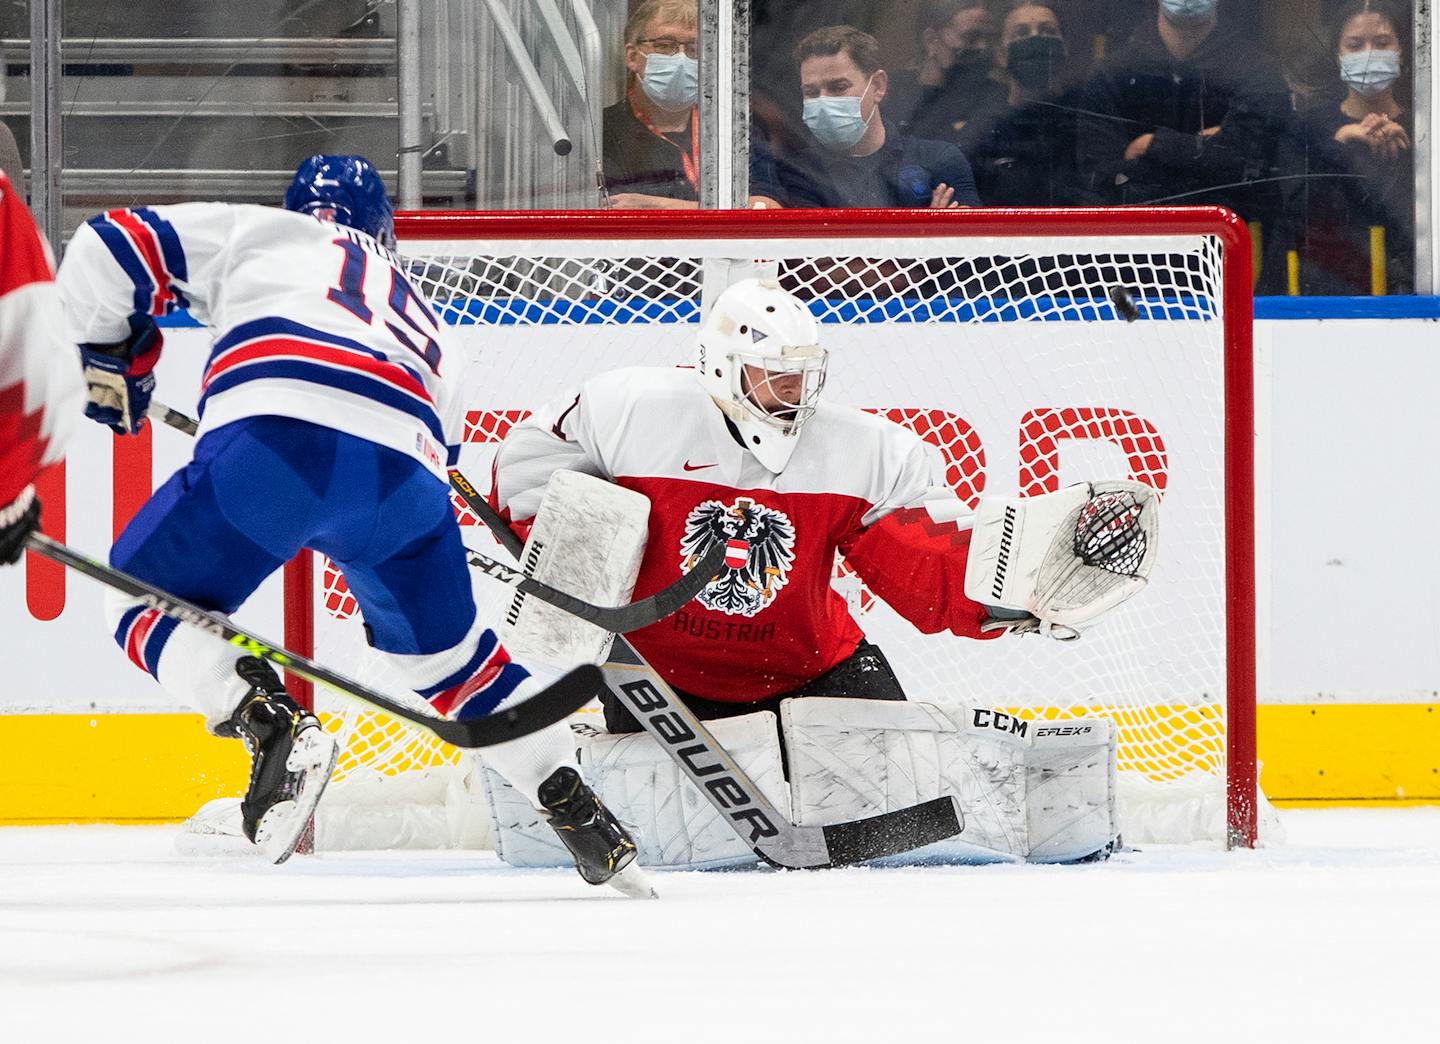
770	621
40	386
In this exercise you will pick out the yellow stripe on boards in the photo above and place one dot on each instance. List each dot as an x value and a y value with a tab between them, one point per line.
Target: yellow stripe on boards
113	768
1350	752
139	768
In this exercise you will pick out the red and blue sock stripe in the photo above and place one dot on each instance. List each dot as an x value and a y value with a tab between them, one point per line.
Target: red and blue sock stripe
477	688
142	633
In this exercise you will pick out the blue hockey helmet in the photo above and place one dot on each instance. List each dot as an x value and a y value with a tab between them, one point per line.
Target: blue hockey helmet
346	190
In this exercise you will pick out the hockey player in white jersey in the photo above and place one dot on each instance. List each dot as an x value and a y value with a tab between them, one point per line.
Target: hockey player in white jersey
40	391
743	446
327	416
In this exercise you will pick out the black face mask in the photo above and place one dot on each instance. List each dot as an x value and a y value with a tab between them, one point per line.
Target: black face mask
1035	61
967	67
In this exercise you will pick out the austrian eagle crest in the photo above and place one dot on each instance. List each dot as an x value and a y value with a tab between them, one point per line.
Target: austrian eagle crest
760	544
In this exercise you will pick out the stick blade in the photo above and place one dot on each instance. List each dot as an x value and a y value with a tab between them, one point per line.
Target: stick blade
552	704
891	833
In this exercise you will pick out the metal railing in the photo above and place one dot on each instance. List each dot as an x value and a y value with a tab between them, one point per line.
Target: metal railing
330	50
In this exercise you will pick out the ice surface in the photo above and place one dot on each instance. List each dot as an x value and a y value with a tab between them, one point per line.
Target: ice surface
106	934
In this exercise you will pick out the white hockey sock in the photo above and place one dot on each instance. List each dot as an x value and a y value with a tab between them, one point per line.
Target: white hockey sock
528	761
193	667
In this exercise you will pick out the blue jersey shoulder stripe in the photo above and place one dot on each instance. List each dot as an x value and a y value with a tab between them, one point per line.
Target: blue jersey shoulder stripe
170	249
124	254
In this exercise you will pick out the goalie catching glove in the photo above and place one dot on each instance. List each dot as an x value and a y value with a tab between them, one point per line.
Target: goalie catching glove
1051	563
119	379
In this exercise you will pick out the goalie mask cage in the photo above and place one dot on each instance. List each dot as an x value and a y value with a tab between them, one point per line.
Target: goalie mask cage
1034	348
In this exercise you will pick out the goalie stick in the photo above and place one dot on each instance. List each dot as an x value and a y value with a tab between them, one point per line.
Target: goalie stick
723	783
550	705
617	618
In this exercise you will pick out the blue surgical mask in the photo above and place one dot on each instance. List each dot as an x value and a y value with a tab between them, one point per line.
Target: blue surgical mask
671	81
1370	72
1189	10
836	122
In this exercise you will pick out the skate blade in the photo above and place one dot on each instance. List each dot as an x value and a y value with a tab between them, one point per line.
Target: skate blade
280	829
633	882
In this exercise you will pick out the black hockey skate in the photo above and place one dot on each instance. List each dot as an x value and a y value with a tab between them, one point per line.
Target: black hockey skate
291	758
603	849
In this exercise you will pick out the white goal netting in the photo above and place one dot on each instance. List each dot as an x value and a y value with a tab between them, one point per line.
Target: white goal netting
1032	359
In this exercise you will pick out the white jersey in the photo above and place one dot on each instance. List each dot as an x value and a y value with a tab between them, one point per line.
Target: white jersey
770	621
312	320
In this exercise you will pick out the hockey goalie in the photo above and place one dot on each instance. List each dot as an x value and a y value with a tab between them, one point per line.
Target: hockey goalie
743	449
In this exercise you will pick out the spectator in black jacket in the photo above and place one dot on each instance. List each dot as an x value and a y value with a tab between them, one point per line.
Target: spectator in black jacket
857	161
1357	137
954	76
1189	111
1023	149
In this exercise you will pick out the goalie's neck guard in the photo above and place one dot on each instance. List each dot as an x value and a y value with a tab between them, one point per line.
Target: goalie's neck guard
759	357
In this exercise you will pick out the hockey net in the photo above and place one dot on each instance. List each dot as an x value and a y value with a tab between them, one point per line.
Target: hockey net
1033	348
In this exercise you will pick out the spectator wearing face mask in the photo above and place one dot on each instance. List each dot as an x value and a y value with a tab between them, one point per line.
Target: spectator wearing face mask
1023	149
651	138
1358	138
856	160
955	75
1188	111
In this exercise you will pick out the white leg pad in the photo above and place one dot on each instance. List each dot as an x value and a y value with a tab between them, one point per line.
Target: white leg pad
1024	795
588	539
1070	790
672	823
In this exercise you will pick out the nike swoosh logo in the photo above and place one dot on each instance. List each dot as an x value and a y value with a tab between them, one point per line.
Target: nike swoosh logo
696	467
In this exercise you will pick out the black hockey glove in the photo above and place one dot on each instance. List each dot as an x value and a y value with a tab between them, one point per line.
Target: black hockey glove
120	378
18	520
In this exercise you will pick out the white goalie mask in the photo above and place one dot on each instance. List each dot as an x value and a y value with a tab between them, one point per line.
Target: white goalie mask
759	356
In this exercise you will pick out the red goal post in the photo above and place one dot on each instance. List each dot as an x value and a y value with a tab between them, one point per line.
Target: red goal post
952	277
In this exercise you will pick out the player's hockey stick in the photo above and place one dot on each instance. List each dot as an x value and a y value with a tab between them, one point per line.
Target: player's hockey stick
617	618
724	784
555	703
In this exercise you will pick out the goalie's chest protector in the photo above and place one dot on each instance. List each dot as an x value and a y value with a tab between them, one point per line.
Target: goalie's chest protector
769	621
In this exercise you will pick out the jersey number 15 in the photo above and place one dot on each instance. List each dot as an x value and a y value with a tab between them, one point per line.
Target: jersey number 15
350	295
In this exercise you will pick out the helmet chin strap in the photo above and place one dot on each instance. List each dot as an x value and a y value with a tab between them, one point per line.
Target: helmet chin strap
732	409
